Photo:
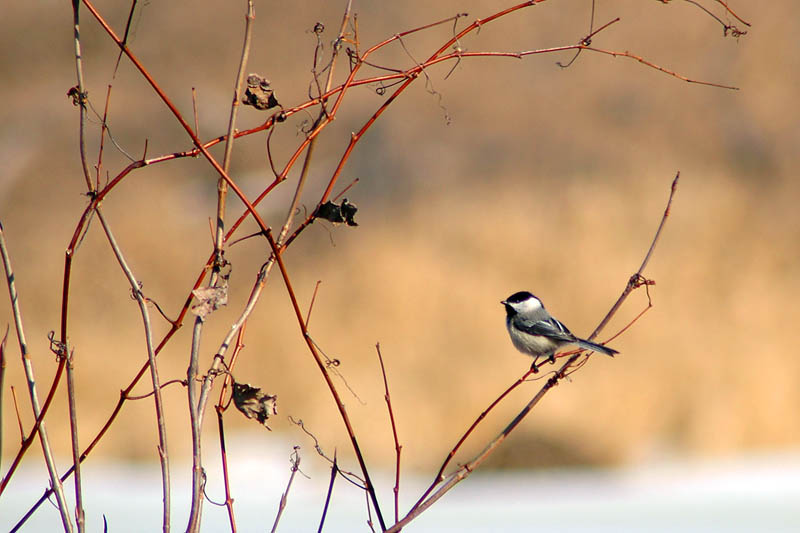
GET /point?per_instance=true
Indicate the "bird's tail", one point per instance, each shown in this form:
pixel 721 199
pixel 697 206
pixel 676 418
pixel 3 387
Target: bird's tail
pixel 596 347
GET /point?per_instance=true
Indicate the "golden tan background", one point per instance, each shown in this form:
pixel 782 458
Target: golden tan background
pixel 545 179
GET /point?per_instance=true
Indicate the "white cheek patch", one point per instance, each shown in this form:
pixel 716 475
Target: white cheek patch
pixel 531 305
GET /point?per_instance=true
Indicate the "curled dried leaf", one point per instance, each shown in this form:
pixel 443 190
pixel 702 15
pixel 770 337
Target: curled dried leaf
pixel 253 403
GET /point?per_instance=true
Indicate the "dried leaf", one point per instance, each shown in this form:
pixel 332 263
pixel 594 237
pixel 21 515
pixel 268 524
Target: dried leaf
pixel 259 93
pixel 253 403
pixel 209 299
pixel 338 214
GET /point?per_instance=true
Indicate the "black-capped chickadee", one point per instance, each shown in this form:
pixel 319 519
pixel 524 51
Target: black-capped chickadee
pixel 534 332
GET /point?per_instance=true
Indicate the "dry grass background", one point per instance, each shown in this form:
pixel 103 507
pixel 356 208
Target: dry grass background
pixel 546 179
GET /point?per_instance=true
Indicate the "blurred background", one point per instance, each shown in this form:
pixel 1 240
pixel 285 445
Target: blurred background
pixel 505 175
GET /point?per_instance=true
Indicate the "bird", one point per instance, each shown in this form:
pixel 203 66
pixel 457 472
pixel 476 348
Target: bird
pixel 535 332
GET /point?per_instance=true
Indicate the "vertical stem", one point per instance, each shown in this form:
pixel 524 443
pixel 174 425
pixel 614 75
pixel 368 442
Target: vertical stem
pixel 397 447
pixel 222 185
pixel 163 454
pixel 195 409
pixel 28 367
pixel 73 426
pixel 81 97
pixel 73 415
pixel 196 424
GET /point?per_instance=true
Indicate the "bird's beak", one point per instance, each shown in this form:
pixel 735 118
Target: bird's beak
pixel 503 302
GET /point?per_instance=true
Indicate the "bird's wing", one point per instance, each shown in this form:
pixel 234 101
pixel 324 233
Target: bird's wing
pixel 550 328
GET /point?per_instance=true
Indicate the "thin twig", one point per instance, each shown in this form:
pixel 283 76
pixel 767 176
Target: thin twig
pixel 333 366
pixel 19 416
pixel 526 53
pixel 334 471
pixel 633 321
pixel 229 366
pixel 224 454
pixel 729 10
pixel 344 191
pixel 81 98
pixel 397 447
pixel 634 280
pixel 726 27
pixel 103 130
pixel 195 112
pixel 313 298
pixel 163 386
pixel 295 460
pixel 128 25
pixel 356 481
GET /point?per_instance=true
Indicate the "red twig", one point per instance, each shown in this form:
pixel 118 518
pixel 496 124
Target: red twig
pixel 397 447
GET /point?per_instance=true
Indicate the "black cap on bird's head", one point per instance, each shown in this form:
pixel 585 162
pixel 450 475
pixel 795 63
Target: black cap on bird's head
pixel 520 302
pixel 518 297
